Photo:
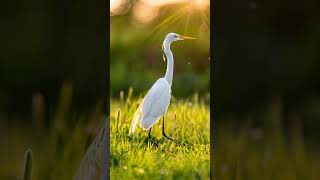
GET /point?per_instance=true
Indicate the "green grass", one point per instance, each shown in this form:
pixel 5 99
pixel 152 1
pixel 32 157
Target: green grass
pixel 134 157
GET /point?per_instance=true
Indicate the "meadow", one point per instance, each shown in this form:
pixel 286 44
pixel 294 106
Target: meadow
pixel 134 157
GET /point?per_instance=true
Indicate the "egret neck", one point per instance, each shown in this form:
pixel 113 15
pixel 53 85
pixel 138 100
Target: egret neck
pixel 169 72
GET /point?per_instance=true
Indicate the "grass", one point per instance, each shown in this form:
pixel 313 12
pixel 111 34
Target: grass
pixel 242 151
pixel 58 150
pixel 249 151
pixel 134 157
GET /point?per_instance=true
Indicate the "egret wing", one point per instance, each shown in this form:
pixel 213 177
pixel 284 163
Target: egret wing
pixel 155 103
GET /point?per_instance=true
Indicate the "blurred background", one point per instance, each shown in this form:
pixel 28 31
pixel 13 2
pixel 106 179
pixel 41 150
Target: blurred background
pixel 266 89
pixel 137 30
pixel 48 43
pixel 266 54
pixel 53 77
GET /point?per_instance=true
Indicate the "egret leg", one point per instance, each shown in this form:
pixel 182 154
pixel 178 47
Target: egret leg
pixel 163 133
pixel 149 137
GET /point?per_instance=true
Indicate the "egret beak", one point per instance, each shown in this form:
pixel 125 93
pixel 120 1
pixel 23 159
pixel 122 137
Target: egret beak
pixel 186 37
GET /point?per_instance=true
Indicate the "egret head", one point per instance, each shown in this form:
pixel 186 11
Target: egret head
pixel 173 37
pixel 176 37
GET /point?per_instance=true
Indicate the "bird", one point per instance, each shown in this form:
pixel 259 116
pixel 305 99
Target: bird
pixel 155 103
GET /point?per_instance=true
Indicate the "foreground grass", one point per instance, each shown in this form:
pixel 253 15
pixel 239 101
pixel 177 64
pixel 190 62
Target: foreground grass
pixel 247 150
pixel 57 150
pixel 133 157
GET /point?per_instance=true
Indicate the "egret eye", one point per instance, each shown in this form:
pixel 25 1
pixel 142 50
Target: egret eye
pixel 175 36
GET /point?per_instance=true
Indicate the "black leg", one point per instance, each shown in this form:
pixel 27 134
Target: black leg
pixel 149 137
pixel 163 133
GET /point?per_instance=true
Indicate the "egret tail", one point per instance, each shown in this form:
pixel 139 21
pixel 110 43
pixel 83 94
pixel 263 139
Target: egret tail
pixel 136 118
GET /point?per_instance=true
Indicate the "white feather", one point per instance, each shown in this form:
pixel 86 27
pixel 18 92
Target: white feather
pixel 155 103
pixel 136 118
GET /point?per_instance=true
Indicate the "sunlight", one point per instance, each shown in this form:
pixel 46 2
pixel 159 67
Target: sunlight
pixel 144 13
pixel 200 4
pixel 162 2
pixel 117 7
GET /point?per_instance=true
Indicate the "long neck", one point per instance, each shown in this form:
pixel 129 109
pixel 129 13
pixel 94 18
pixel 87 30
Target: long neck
pixel 169 72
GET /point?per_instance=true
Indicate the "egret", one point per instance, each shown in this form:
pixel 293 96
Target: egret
pixel 156 102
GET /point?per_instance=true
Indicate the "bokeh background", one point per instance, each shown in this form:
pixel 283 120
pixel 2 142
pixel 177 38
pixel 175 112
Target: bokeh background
pixel 137 30
pixel 53 75
pixel 265 89
pixel 48 43
pixel 267 53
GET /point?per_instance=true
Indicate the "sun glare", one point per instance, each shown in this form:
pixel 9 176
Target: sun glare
pixel 160 3
pixel 145 11
pixel 200 4
pixel 117 7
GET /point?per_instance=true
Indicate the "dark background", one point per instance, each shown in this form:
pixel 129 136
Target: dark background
pixel 53 84
pixel 266 54
pixel 47 43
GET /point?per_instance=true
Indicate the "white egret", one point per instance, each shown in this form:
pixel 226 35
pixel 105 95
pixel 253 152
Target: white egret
pixel 156 102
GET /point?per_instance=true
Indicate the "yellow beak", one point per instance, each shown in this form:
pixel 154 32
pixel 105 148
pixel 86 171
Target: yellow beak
pixel 186 37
